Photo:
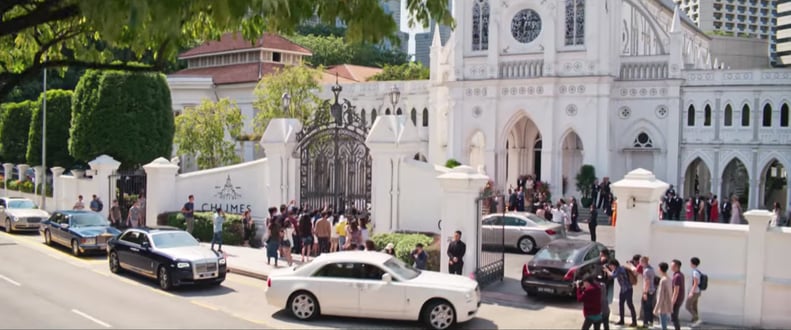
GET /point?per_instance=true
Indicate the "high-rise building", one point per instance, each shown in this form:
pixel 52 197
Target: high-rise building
pixel 746 18
pixel 782 39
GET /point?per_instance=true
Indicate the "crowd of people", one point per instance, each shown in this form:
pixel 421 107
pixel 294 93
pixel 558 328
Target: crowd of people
pixel 663 292
pixel 708 208
pixel 136 215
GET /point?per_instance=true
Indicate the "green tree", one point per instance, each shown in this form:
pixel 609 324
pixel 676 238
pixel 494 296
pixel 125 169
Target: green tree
pixel 407 71
pixel 332 50
pixel 38 34
pixel 585 178
pixel 58 123
pixel 125 115
pixel 300 82
pixel 202 132
pixel 14 128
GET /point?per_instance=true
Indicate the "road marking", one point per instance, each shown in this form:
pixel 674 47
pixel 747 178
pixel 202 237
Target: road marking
pixel 157 290
pixel 91 318
pixel 4 278
pixel 204 305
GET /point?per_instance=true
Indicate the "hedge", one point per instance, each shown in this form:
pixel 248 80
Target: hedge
pixel 405 243
pixel 14 130
pixel 126 115
pixel 204 226
pixel 58 123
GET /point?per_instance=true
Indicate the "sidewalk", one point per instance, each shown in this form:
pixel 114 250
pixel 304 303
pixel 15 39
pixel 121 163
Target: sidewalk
pixel 251 262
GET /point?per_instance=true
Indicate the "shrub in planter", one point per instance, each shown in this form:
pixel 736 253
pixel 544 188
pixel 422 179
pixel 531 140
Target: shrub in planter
pixel 49 189
pixel 12 184
pixel 26 186
pixel 405 243
pixel 451 163
pixel 204 226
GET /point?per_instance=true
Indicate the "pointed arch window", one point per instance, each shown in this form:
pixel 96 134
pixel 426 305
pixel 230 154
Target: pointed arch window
pixel 784 116
pixel 691 116
pixel 643 140
pixel 767 116
pixel 413 116
pixel 575 22
pixel 728 116
pixel 425 117
pixel 746 115
pixel 373 116
pixel 388 112
pixel 480 25
pixel 707 116
pixel 399 112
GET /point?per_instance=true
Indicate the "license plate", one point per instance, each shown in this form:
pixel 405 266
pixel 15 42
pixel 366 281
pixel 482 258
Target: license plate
pixel 547 290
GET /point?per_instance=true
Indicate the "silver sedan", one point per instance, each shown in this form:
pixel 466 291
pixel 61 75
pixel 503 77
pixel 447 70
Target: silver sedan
pixel 523 230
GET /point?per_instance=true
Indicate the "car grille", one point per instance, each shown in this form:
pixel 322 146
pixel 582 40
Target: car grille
pixel 32 220
pixel 205 269
pixel 102 239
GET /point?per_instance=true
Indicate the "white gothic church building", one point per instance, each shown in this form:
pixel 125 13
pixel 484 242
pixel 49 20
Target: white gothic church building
pixel 544 86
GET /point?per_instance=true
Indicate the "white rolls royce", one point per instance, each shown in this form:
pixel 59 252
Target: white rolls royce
pixel 373 285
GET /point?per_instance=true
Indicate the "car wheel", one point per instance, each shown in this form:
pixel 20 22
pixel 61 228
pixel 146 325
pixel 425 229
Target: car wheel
pixel 163 276
pixel 75 248
pixel 47 238
pixel 526 244
pixel 439 314
pixel 303 306
pixel 115 264
pixel 7 226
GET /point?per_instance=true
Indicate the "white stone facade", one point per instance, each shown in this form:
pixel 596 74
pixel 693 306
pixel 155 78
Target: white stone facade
pixel 613 92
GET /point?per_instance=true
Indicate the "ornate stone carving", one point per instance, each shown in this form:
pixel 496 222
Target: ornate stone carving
pixel 571 110
pixel 526 26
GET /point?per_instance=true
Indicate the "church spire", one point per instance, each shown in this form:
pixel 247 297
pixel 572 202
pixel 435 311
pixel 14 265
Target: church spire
pixel 436 40
pixel 675 27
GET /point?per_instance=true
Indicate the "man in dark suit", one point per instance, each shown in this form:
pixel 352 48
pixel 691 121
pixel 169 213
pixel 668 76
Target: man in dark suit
pixel 593 222
pixel 456 250
pixel 512 200
pixel 675 206
pixel 725 211
pixel 575 212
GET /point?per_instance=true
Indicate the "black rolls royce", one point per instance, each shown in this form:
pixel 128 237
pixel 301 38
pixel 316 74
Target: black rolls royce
pixel 555 267
pixel 169 255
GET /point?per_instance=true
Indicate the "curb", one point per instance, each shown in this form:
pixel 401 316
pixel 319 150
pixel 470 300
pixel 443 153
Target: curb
pixel 247 273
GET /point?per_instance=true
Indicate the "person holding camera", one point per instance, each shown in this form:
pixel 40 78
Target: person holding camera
pixel 589 293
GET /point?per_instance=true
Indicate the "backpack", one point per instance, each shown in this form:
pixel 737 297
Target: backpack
pixel 632 277
pixel 99 205
pixel 704 281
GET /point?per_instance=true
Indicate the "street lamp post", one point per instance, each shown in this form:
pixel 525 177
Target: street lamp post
pixel 395 95
pixel 44 145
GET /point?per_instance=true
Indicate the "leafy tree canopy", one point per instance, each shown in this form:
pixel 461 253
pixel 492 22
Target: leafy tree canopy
pixel 333 50
pixel 300 82
pixel 38 34
pixel 406 71
pixel 14 126
pixel 58 123
pixel 201 132
pixel 125 115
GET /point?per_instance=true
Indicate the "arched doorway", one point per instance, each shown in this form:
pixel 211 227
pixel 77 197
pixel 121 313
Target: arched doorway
pixel 697 179
pixel 736 181
pixel 477 147
pixel 522 143
pixel 774 181
pixel 571 160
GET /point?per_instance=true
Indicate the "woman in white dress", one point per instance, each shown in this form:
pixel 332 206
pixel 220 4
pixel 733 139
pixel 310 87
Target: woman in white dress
pixel 736 211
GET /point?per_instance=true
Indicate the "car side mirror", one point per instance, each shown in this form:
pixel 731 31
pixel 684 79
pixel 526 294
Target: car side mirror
pixel 387 278
pixel 145 245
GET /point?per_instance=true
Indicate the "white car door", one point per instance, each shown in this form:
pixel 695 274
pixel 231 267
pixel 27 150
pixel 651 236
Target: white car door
pixel 339 289
pixel 380 299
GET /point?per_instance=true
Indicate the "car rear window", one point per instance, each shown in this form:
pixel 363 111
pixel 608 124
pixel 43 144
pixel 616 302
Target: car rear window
pixel 564 253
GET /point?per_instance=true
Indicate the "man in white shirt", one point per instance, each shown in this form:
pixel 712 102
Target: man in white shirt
pixel 694 292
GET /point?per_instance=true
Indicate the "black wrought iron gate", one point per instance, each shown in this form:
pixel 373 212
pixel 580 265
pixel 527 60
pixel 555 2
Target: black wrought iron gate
pixel 490 258
pixel 335 163
pixel 126 186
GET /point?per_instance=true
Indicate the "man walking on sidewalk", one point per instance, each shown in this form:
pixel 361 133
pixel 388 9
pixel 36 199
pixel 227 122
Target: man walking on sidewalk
pixel 694 291
pixel 649 292
pixel 678 292
pixel 188 211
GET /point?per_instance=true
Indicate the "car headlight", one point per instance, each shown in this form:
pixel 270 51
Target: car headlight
pixel 183 265
pixel 468 296
pixel 221 261
pixel 15 218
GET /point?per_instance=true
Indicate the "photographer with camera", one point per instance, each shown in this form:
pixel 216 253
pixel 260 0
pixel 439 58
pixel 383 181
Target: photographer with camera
pixel 589 293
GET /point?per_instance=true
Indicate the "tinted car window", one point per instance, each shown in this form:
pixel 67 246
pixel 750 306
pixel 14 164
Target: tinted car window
pixel 560 252
pixel 2 202
pixel 494 221
pixel 511 221
pixel 593 253
pixel 339 270
pixel 131 237
pixel 371 272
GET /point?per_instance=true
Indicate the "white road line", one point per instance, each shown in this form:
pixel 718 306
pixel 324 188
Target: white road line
pixel 4 278
pixel 93 319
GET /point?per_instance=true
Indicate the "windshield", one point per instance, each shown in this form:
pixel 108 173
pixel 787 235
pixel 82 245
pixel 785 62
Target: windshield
pixel 88 219
pixel 401 269
pixel 21 204
pixel 563 253
pixel 173 239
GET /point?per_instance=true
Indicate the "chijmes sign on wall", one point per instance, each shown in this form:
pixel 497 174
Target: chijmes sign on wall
pixel 228 197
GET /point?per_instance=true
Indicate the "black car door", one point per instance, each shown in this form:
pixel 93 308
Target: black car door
pixel 146 258
pixel 589 263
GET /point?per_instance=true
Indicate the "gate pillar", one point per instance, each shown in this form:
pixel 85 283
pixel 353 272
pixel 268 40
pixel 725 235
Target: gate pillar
pixel 102 167
pixel 461 186
pixel 391 140
pixel 161 192
pixel 279 141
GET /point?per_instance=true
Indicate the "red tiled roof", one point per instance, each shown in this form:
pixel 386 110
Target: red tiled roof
pixel 232 74
pixel 354 72
pixel 234 41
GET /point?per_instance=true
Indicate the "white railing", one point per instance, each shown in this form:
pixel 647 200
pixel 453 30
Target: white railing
pixel 644 71
pixel 522 69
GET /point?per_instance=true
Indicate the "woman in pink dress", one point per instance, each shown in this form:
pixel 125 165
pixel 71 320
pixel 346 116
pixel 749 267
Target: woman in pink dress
pixel 690 210
pixel 715 209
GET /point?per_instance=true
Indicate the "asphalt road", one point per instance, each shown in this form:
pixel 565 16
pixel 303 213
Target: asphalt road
pixel 45 287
